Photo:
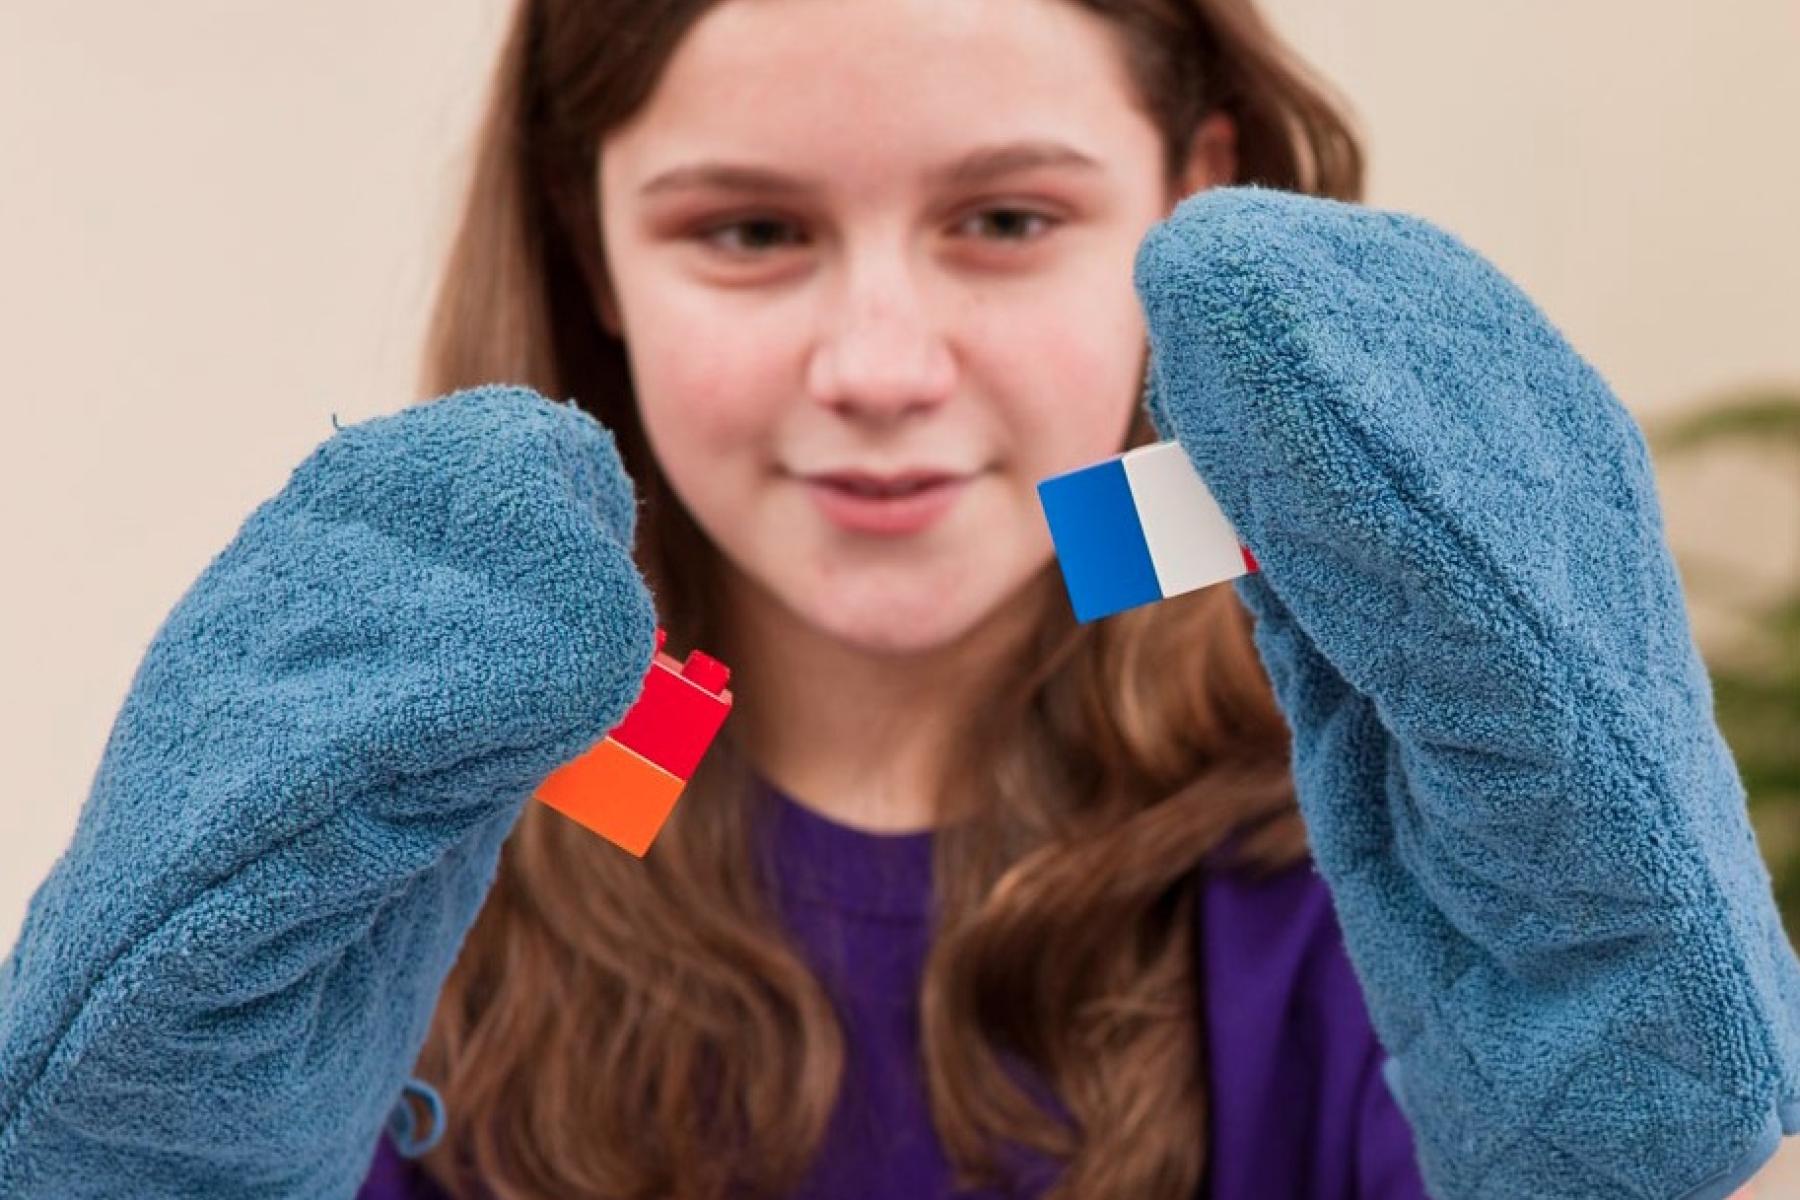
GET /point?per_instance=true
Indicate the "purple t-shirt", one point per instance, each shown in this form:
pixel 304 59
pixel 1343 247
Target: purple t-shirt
pixel 1297 1106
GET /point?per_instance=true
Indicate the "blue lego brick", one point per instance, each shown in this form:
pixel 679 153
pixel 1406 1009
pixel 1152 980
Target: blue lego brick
pixel 1099 541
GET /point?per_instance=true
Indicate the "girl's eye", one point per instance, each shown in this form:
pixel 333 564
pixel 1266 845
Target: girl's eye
pixel 763 224
pixel 1012 218
pixel 758 230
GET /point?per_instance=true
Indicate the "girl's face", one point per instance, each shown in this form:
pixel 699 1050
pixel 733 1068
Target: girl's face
pixel 872 265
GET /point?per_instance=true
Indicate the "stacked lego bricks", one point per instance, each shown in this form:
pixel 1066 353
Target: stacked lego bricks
pixel 625 786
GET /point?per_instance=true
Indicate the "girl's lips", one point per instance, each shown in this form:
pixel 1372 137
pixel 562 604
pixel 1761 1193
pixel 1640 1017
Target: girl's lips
pixel 891 515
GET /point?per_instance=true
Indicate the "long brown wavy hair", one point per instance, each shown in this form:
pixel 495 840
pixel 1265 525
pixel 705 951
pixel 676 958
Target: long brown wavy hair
pixel 626 1028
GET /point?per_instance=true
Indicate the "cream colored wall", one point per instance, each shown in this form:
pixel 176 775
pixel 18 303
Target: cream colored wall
pixel 219 223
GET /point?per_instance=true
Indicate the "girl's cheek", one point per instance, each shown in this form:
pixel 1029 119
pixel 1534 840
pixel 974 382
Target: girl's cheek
pixel 692 427
pixel 709 384
pixel 1084 411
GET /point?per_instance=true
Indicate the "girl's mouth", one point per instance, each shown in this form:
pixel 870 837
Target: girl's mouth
pixel 891 505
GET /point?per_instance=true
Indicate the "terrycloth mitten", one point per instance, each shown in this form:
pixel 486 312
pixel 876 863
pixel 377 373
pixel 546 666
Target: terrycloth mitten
pixel 1504 744
pixel 221 985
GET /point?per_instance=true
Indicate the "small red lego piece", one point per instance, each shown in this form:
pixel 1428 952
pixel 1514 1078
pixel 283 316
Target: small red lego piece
pixel 625 786
pixel 681 708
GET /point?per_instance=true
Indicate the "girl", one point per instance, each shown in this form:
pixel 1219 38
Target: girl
pixel 966 895
pixel 772 246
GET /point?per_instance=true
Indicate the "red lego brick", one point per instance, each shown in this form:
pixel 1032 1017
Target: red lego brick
pixel 679 711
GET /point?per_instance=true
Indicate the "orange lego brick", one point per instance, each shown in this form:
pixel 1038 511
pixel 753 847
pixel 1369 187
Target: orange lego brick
pixel 616 792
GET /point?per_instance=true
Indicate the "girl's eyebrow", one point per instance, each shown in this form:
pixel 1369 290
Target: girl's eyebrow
pixel 976 167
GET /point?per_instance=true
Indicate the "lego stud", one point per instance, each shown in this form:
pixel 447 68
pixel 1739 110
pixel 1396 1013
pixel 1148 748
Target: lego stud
pixel 705 672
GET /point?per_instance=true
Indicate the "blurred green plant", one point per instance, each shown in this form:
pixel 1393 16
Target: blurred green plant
pixel 1755 676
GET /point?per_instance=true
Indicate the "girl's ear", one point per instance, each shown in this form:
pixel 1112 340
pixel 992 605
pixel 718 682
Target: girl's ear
pixel 1212 155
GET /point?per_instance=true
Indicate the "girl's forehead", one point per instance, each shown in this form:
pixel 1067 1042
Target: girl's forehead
pixel 881 75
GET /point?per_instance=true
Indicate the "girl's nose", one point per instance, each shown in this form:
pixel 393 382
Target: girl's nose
pixel 882 360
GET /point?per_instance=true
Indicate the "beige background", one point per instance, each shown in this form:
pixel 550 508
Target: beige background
pixel 219 223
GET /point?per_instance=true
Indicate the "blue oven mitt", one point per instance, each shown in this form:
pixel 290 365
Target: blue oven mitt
pixel 221 985
pixel 1504 745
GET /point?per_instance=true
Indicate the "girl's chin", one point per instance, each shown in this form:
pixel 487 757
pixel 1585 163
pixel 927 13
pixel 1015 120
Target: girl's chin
pixel 900 621
pixel 898 633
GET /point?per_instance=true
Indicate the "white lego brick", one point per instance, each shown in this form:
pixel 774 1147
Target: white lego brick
pixel 1192 544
